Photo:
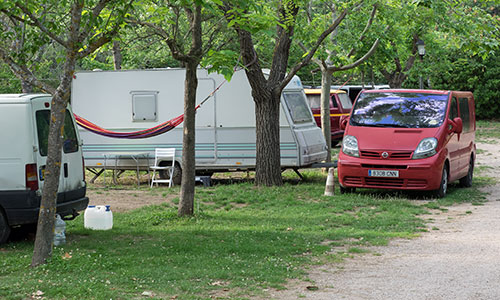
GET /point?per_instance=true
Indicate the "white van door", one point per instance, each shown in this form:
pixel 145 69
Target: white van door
pixel 71 176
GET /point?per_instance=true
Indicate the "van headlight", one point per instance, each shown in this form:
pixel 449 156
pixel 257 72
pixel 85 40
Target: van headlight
pixel 426 148
pixel 350 146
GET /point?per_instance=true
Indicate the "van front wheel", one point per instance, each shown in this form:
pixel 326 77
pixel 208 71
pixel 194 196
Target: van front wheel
pixel 443 186
pixel 4 228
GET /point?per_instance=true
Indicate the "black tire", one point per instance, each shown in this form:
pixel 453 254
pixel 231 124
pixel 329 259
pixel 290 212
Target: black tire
pixel 4 228
pixel 347 190
pixel 443 185
pixel 466 181
pixel 177 178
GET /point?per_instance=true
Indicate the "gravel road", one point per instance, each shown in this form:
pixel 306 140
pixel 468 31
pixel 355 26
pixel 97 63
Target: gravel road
pixel 461 260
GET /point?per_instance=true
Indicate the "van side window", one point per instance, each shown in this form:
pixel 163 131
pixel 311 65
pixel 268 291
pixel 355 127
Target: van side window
pixel 345 101
pixel 314 101
pixel 463 103
pixel 70 142
pixel 453 108
pixel 334 101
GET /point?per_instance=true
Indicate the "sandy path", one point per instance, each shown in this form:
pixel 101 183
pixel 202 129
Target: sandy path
pixel 461 260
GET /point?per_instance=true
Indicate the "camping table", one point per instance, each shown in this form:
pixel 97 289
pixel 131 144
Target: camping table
pixel 136 156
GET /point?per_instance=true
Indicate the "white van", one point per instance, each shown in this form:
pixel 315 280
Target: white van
pixel 24 124
pixel 132 100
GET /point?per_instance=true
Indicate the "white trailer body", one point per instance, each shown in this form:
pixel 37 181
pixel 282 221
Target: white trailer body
pixel 125 101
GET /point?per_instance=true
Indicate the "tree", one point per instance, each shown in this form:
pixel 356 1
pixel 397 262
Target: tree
pixel 79 27
pixel 337 59
pixel 167 20
pixel 253 18
pixel 443 25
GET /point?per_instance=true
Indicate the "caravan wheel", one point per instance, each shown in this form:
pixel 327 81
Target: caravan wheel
pixel 164 174
pixel 4 228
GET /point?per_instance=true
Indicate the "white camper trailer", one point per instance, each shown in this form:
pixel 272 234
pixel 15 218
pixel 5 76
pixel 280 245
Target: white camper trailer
pixel 125 101
pixel 24 120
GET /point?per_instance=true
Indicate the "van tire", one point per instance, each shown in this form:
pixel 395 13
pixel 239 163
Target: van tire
pixel 466 181
pixel 347 190
pixel 4 228
pixel 177 178
pixel 443 185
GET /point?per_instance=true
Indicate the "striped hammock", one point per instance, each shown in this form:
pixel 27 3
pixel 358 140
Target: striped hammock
pixel 141 134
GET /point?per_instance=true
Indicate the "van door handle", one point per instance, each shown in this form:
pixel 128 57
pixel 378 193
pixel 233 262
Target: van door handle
pixel 66 170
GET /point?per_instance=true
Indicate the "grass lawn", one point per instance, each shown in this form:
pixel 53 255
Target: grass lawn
pixel 242 240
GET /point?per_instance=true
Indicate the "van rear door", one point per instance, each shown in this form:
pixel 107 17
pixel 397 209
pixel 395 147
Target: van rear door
pixel 71 179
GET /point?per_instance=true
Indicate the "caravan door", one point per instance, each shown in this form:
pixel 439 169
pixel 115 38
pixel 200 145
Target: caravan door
pixel 206 144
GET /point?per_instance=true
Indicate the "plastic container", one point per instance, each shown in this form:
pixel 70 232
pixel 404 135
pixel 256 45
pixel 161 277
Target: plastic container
pixel 98 217
pixel 59 231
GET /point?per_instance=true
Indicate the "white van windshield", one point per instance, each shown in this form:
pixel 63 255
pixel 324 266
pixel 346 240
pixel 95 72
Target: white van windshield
pixel 409 110
pixel 298 108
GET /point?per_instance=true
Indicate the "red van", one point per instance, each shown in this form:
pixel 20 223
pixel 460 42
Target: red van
pixel 408 140
pixel 340 105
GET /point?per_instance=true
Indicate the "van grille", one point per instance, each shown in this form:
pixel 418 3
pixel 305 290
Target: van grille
pixel 352 180
pixel 392 155
pixel 399 167
pixel 387 182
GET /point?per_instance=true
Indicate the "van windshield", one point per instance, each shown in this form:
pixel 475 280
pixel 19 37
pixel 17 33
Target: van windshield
pixel 298 108
pixel 409 110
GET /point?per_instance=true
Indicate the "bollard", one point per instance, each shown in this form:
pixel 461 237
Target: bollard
pixel 330 183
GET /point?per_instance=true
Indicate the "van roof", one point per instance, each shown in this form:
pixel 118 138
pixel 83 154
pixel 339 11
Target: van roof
pixel 441 92
pixel 19 97
pixel 318 91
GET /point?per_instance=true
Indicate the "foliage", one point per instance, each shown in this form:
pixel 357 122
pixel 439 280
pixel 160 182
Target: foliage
pixel 482 77
pixel 242 240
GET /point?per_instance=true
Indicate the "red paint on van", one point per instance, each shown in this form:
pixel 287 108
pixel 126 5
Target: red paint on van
pixel 385 128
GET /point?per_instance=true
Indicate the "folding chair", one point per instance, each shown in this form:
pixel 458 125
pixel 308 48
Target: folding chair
pixel 163 155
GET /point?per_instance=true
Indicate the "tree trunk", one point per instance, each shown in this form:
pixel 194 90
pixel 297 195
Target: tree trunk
pixel 268 160
pixel 186 202
pixel 46 218
pixel 26 87
pixel 117 55
pixel 326 82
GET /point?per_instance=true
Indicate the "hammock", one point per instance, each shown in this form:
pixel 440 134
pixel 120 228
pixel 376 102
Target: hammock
pixel 141 134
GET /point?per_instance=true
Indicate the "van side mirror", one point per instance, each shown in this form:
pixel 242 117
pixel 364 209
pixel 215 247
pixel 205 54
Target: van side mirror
pixel 343 122
pixel 456 125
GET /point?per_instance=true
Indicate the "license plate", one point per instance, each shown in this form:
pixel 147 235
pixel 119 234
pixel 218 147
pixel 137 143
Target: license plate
pixel 383 173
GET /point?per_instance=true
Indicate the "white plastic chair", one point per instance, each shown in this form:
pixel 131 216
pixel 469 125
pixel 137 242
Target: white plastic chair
pixel 163 155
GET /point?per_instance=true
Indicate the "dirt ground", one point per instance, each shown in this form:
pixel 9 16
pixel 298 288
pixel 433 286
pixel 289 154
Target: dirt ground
pixel 458 258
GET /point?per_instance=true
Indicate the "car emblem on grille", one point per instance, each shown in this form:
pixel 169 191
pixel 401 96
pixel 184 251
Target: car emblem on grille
pixel 385 154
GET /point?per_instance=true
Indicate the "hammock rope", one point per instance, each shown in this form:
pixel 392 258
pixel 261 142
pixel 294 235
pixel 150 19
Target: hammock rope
pixel 141 134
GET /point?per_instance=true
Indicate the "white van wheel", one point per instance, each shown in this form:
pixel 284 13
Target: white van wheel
pixel 4 228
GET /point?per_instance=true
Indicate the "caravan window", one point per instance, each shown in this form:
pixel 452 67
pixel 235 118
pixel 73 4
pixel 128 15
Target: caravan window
pixel 70 142
pixel 297 106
